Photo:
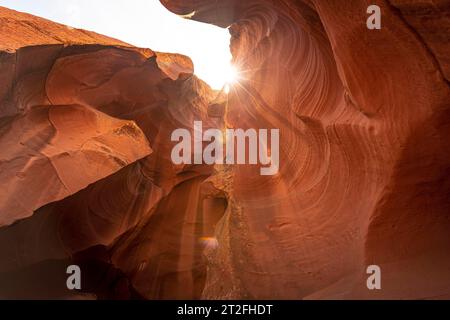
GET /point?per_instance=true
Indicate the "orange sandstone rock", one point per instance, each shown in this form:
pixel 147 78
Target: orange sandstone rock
pixel 364 163
pixel 86 174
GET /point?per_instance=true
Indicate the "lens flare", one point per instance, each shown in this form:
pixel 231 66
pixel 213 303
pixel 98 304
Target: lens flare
pixel 230 76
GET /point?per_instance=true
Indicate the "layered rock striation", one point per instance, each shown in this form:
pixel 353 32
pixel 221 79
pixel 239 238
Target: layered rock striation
pixel 87 179
pixel 85 168
pixel 364 164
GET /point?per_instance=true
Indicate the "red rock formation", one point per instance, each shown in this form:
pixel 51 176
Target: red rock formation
pixel 363 118
pixel 364 164
pixel 85 165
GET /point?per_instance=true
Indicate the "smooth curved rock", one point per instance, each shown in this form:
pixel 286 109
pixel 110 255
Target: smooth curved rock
pixel 363 117
pixel 364 163
pixel 54 151
pixel 85 134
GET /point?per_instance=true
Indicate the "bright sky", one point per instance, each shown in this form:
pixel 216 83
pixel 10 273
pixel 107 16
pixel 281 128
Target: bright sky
pixel 143 23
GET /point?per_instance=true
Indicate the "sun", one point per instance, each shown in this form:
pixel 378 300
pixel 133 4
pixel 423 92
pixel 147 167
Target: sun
pixel 230 76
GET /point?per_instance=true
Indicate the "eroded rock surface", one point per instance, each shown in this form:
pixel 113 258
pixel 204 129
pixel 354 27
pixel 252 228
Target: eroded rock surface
pixel 364 170
pixel 85 168
pixel 364 121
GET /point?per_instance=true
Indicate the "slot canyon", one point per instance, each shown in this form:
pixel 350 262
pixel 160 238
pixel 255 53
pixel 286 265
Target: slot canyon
pixel 86 175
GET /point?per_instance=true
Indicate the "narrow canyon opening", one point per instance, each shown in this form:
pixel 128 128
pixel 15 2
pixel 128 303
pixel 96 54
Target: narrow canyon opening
pixel 145 24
